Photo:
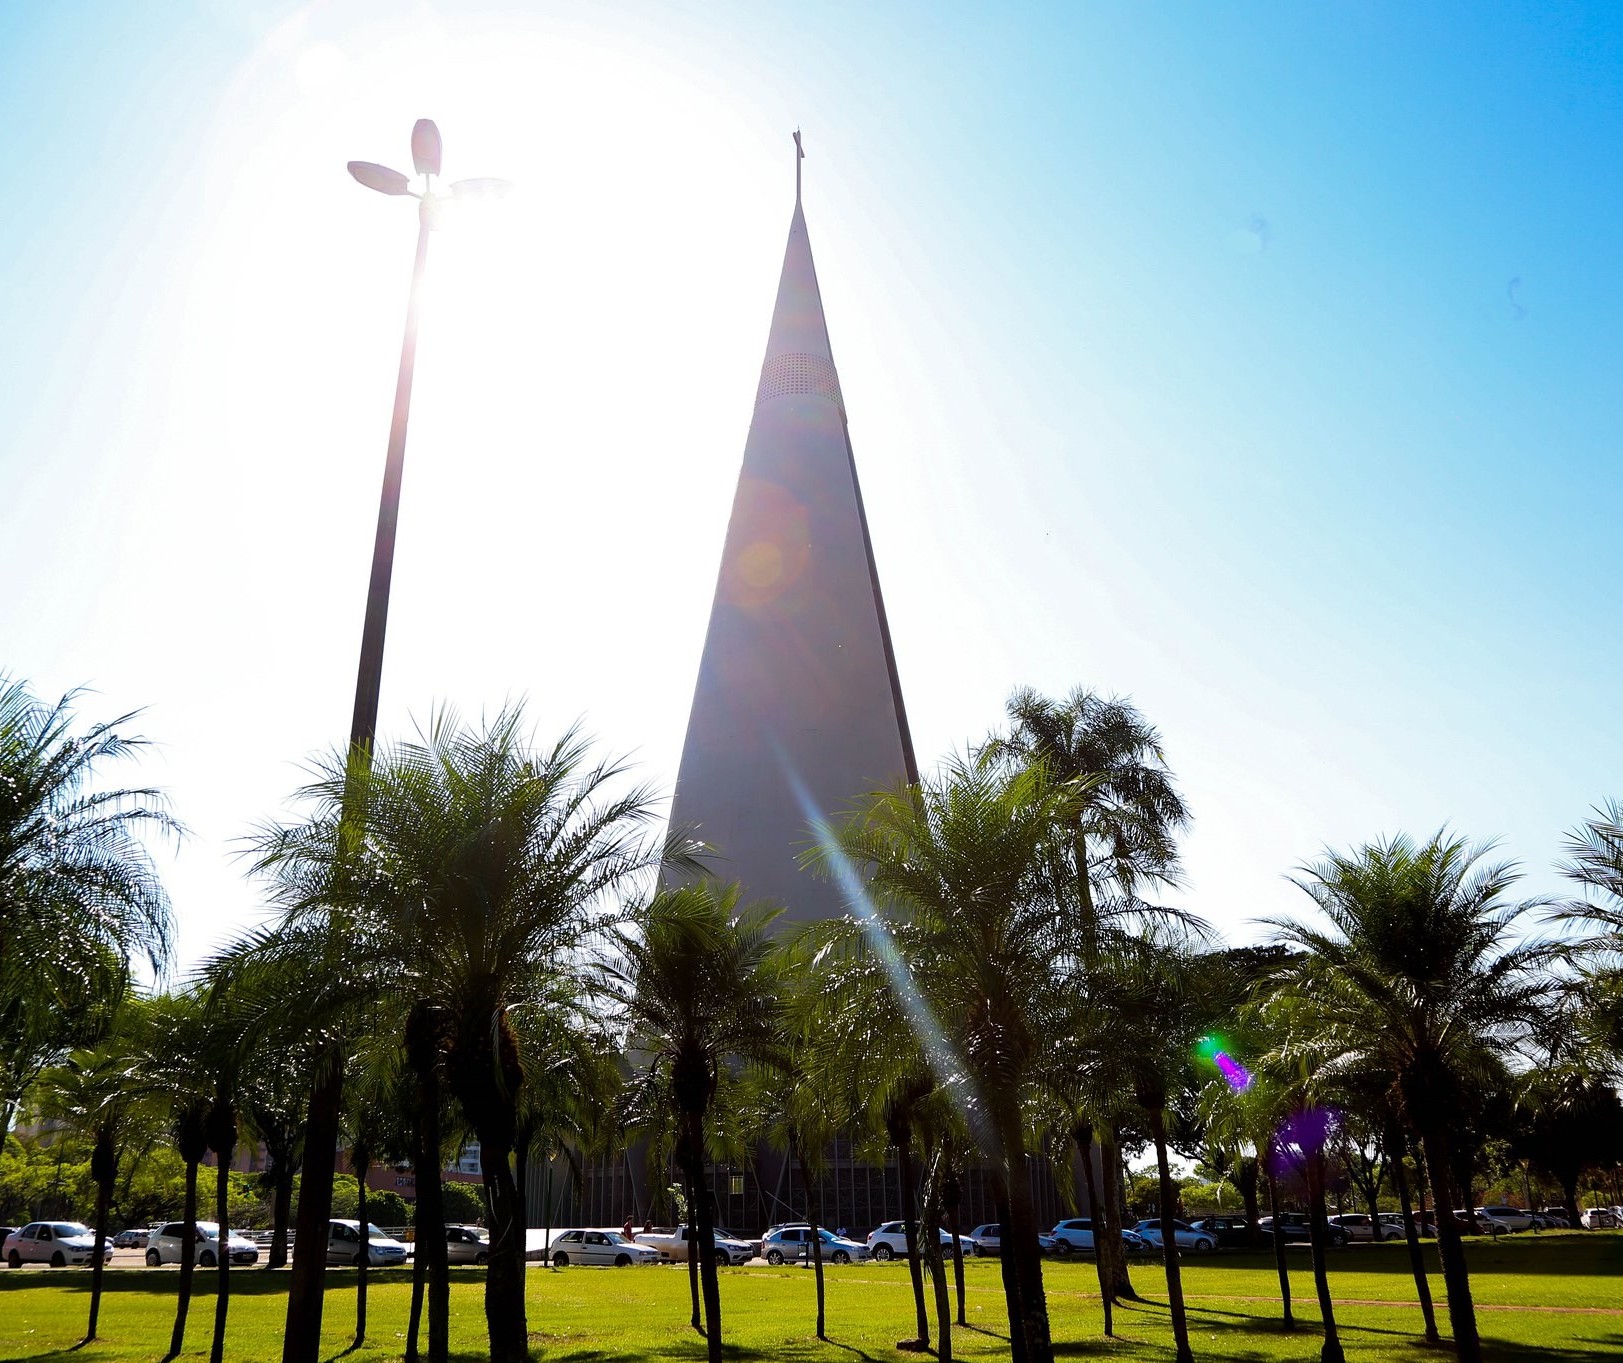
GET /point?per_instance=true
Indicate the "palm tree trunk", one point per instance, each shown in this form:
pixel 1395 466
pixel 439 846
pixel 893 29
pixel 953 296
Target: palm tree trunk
pixel 1083 1136
pixel 697 1319
pixel 1319 1238
pixel 1121 1281
pixel 505 1318
pixel 281 1214
pixel 301 1342
pixel 361 1163
pixel 431 1214
pixel 222 1264
pixel 816 1249
pixel 188 1259
pixel 910 1231
pixel 705 1245
pixel 1247 1173
pixel 1411 1236
pixel 1456 1276
pixel 104 1170
pixel 1011 1278
pixel 419 1278
pixel 952 1195
pixel 1028 1267
pixel 1279 1253
pixel 1169 1241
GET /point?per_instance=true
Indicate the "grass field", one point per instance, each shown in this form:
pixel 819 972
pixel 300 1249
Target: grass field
pixel 1554 1298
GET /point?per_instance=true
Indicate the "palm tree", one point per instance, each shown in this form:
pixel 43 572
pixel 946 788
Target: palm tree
pixel 1165 996
pixel 698 982
pixel 103 1093
pixel 961 905
pixel 79 895
pixel 1122 838
pixel 470 863
pixel 1420 972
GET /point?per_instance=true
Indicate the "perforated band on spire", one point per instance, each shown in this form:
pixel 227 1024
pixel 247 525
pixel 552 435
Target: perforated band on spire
pixel 801 375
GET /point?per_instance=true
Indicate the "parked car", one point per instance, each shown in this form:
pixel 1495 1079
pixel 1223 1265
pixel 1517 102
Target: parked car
pixel 164 1245
pixel 988 1239
pixel 133 1238
pixel 1184 1236
pixel 57 1243
pixel 1513 1217
pixel 598 1247
pixel 1076 1234
pixel 743 1238
pixel 466 1245
pixel 676 1244
pixel 1360 1227
pixel 1474 1221
pixel 1293 1229
pixel 1597 1218
pixel 1230 1232
pixel 794 1242
pixel 1552 1218
pixel 889 1241
pixel 344 1245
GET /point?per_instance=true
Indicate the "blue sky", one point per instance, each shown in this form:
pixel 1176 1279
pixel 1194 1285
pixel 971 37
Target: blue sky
pixel 1258 361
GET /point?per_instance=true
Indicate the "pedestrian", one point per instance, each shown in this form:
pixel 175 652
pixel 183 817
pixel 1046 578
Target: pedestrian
pixel 626 1230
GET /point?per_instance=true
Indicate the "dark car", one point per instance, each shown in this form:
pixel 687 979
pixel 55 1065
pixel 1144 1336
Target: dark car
pixel 1293 1228
pixel 1230 1232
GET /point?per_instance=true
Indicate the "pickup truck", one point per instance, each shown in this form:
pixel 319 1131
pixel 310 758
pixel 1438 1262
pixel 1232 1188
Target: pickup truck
pixel 675 1244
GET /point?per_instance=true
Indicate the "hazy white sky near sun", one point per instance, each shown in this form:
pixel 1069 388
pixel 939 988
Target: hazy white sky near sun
pixel 1259 362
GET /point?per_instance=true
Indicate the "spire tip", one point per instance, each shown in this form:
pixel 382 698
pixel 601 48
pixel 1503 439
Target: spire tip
pixel 800 155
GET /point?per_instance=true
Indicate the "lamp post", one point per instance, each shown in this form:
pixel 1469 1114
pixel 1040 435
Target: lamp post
pixel 301 1341
pixel 425 156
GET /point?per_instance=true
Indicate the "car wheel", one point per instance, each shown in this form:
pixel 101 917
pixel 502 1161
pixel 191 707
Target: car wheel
pixel 1204 1246
pixel 560 1261
pixel 206 1259
pixel 1339 1241
pixel 153 1258
pixel 357 1259
pixel 882 1252
pixel 622 1261
pixel 774 1257
pixel 58 1260
pixel 1062 1247
pixel 840 1257
pixel 481 1258
pixel 16 1259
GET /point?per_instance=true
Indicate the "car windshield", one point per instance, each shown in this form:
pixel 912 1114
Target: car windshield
pixel 68 1229
pixel 615 1238
pixel 374 1233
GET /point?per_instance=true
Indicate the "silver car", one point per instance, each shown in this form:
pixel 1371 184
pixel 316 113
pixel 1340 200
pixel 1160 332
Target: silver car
pixel 466 1245
pixel 795 1242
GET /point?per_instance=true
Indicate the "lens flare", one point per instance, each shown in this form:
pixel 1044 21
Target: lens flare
pixel 1211 1049
pixel 943 1058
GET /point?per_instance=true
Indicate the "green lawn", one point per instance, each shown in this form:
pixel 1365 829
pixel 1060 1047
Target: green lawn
pixel 1555 1298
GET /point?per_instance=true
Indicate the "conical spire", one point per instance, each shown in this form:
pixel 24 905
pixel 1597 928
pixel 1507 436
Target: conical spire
pixel 798 708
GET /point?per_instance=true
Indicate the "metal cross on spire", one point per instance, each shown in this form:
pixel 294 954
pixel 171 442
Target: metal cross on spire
pixel 800 155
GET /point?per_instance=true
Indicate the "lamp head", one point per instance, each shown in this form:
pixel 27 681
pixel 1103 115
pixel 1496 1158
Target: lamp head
pixel 426 147
pixel 380 178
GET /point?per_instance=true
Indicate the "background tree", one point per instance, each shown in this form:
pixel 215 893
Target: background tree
pixel 961 890
pixel 79 895
pixel 696 980
pixel 1420 971
pixel 1120 839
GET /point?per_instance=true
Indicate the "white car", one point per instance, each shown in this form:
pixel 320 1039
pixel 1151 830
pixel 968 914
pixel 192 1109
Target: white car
pixel 344 1245
pixel 1184 1236
pixel 1594 1218
pixel 57 1243
pixel 599 1247
pixel 1359 1226
pixel 166 1241
pixel 466 1245
pixel 889 1241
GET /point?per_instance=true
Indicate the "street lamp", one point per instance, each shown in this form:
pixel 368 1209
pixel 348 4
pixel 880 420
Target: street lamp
pixel 425 156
